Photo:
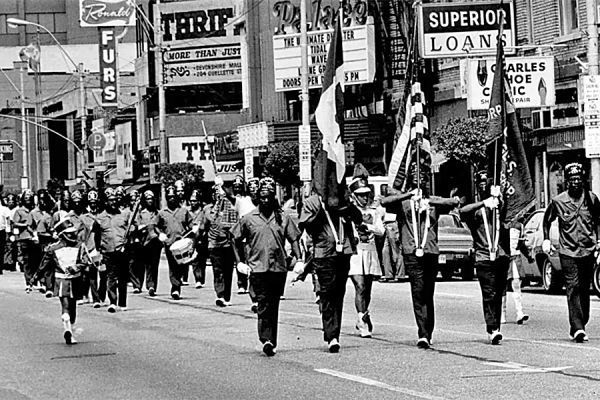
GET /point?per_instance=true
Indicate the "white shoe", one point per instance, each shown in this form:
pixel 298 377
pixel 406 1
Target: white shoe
pixel 199 285
pixel 123 308
pixel 334 346
pixel 242 291
pixel 68 335
pixel 580 336
pixel 228 303
pixel 522 318
pixel 362 327
pixel 112 308
pixel 220 302
pixel 184 283
pixel 495 337
pixel 423 343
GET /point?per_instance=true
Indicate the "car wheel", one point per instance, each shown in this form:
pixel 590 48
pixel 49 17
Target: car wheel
pixel 447 273
pixel 550 279
pixel 596 279
pixel 467 272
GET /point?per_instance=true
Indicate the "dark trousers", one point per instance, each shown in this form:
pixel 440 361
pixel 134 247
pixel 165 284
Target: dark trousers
pixel 35 257
pixel 10 254
pixel 135 265
pixel 117 277
pixel 242 281
pixel 97 284
pixel 578 275
pixel 392 262
pixel 268 287
pixel 147 258
pixel 422 272
pixel 222 260
pixel 23 257
pixel 199 264
pixel 492 280
pixel 332 274
pixel 175 271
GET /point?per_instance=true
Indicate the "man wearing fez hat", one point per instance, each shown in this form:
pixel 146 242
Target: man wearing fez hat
pixel 68 257
pixel 151 247
pixel 43 237
pixel 199 263
pixel 491 240
pixel 578 213
pixel 111 229
pixel 265 230
pixel 97 271
pixel 331 232
pixel 24 232
pixel 174 222
pixel 417 213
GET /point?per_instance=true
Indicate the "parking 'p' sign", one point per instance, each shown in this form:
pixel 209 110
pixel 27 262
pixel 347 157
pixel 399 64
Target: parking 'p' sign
pixel 96 141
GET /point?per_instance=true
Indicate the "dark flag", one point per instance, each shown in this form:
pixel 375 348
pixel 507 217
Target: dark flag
pixel 506 154
pixel 330 165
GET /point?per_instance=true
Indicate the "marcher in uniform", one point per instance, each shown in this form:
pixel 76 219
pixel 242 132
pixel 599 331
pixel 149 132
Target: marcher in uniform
pixel 199 263
pixel 265 230
pixel 578 213
pixel 45 237
pixel 516 271
pixel 150 246
pixel 24 231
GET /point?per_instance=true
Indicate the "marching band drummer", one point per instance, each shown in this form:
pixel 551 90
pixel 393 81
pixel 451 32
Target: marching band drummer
pixel 420 243
pixel 199 263
pixel 67 257
pixel 265 230
pixel 111 231
pixel 174 222
pixel 150 246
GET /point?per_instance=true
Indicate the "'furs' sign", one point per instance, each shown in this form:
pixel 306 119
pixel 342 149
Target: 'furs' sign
pixel 465 29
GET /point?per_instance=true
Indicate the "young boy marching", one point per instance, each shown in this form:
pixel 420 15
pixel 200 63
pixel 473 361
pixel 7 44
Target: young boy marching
pixel 68 257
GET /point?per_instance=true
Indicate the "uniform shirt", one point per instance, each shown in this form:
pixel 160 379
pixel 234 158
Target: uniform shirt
pixel 88 222
pixel 314 220
pixel 215 224
pixel 174 223
pixel 577 234
pixel 23 216
pixel 4 218
pixel 148 218
pixel 476 224
pixel 407 235
pixel 266 240
pixel 112 227
pixel 43 225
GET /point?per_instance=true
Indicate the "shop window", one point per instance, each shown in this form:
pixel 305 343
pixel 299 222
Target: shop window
pixel 569 16
pixel 568 95
pixel 541 119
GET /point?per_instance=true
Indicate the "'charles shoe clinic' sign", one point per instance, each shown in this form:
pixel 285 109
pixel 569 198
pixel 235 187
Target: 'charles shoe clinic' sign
pixel 465 29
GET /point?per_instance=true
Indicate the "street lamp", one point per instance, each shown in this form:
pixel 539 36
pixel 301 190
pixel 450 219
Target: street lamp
pixel 14 22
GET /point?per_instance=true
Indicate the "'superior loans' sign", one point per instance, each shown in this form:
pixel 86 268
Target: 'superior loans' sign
pixel 464 29
pixel 203 42
pixel 359 57
pixel 531 80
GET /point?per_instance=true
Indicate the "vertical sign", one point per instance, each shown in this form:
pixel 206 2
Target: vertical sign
pixel 249 163
pixel 123 135
pixel 108 67
pixel 591 115
pixel 304 153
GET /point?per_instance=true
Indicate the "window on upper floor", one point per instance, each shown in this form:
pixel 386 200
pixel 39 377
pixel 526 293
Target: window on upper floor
pixel 4 28
pixel 569 16
pixel 54 22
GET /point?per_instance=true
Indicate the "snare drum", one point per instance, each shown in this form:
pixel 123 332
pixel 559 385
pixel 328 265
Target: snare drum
pixel 183 251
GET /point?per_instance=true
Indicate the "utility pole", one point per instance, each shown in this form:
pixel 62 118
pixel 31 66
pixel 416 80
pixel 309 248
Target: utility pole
pixel 592 56
pixel 158 62
pixel 24 175
pixel 83 116
pixel 304 147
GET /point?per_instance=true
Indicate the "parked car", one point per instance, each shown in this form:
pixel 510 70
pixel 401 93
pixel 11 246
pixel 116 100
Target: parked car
pixel 456 248
pixel 545 268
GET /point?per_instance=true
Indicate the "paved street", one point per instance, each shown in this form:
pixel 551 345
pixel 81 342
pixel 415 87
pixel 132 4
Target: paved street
pixel 191 349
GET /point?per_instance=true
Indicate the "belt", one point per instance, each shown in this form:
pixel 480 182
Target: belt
pixel 66 276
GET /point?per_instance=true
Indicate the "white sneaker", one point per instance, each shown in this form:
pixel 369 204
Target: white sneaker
pixel 579 336
pixel 199 285
pixel 68 335
pixel 423 343
pixel 495 337
pixel 334 346
pixel 242 291
pixel 220 302
pixel 228 303
pixel 112 308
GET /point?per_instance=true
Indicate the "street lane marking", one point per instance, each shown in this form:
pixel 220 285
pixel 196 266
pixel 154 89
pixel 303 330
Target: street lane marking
pixel 371 382
pixel 521 368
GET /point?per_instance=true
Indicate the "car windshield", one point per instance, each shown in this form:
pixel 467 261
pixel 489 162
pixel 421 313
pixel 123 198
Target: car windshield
pixel 449 221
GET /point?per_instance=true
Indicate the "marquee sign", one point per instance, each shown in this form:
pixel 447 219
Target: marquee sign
pixel 202 40
pixel 465 29
pixel 95 13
